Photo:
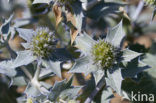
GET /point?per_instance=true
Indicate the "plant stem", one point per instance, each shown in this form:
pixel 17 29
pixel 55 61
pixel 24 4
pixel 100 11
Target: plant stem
pixel 36 82
pixel 27 73
pixel 138 10
pixel 99 86
pixel 37 73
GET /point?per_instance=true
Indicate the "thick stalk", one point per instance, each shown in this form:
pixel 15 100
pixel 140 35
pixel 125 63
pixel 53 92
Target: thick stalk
pixel 99 86
pixel 27 73
pixel 138 10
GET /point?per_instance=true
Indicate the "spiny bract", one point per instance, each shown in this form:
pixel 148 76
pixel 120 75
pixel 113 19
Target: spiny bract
pixel 103 54
pixel 150 2
pixel 43 43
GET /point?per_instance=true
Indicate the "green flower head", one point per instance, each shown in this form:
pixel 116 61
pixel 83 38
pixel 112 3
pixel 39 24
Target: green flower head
pixel 43 42
pixel 103 54
pixel 150 2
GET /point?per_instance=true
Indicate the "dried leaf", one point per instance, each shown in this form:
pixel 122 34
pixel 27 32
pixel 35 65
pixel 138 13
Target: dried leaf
pixel 58 14
pixel 15 43
pixel 124 12
pixel 74 33
pixel 71 18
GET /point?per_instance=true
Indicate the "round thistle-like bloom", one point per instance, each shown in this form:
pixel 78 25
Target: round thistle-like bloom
pixel 43 43
pixel 103 54
pixel 150 2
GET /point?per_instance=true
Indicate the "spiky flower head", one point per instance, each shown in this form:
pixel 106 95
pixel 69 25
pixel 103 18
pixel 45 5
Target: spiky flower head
pixel 103 54
pixel 43 43
pixel 150 2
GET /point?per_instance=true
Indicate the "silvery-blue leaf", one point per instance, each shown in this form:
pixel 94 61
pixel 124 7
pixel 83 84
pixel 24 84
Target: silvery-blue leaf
pixel 42 1
pixel 23 22
pixel 58 88
pixel 129 55
pixel 26 45
pixel 24 58
pixel 8 71
pixel 26 34
pixel 114 1
pixel 19 81
pixel 6 68
pixel 6 26
pixel 77 10
pixel 103 9
pixel 46 85
pixel 32 91
pixel 114 79
pixel 84 42
pixel 98 75
pixel 46 73
pixel 133 68
pixel 150 60
pixel 125 95
pixel 71 93
pixel 116 35
pixel 83 65
pixel 107 95
pixel 6 64
pixel 54 66
pixel 41 99
pixel 84 1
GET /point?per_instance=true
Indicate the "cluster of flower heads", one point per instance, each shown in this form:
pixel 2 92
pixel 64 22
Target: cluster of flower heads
pixel 150 2
pixel 43 42
pixel 103 54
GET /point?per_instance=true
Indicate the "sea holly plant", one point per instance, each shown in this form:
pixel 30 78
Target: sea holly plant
pixel 41 46
pixel 40 52
pixel 106 59
pixel 51 70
